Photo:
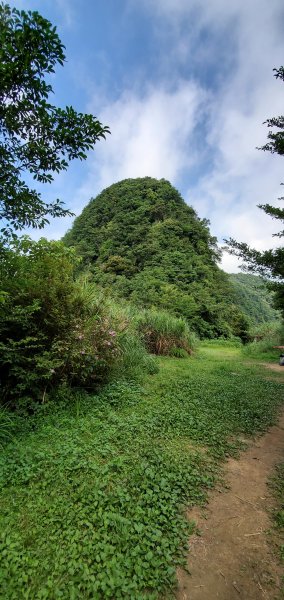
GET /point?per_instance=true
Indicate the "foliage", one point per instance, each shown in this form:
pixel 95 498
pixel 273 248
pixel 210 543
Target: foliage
pixel 253 298
pixel 144 243
pixel 265 338
pixel 134 359
pixel 276 143
pixel 222 343
pixel 178 352
pixel 269 263
pixel 36 137
pixel 7 426
pixel 91 499
pixel 162 333
pixel 51 329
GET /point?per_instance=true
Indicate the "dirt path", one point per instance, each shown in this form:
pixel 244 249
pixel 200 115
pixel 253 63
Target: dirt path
pixel 232 559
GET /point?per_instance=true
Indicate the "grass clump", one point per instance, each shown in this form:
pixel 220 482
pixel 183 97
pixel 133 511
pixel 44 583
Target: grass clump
pixel 92 496
pixel 133 360
pixel 9 424
pixel 165 334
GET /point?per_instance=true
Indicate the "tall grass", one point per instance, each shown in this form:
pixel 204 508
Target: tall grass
pixel 159 332
pixel 7 426
pixel 165 334
pixel 134 360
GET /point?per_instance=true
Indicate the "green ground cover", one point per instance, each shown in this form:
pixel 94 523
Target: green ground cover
pixel 93 491
pixel 277 487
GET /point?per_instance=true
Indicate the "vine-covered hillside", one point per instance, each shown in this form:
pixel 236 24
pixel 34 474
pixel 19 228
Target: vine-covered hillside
pixel 144 243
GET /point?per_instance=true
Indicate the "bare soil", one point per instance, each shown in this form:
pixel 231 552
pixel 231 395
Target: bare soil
pixel 278 368
pixel 234 557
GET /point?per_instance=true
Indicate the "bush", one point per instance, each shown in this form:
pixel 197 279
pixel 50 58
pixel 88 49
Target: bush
pixel 161 332
pixel 52 328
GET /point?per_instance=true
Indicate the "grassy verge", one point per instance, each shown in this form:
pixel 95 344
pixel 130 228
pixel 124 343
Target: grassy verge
pixel 93 492
pixel 277 487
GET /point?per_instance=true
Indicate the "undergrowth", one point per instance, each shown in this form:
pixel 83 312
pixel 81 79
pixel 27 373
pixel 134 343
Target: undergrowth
pixel 266 339
pixel 93 487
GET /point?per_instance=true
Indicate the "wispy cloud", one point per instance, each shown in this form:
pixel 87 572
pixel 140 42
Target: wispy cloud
pixel 239 177
pixel 150 135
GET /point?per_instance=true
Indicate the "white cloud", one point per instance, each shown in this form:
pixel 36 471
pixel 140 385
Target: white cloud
pixel 150 136
pixel 240 176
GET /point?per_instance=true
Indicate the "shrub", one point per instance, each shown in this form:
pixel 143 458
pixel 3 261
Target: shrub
pixel 52 329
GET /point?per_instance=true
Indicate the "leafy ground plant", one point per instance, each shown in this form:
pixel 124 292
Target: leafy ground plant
pixel 92 500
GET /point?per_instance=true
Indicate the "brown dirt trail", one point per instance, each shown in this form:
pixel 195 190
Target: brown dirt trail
pixel 233 558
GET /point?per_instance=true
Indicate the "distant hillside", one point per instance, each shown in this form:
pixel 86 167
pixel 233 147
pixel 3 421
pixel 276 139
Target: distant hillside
pixel 253 298
pixel 144 243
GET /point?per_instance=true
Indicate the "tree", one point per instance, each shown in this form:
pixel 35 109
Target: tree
pixel 36 138
pixel 270 263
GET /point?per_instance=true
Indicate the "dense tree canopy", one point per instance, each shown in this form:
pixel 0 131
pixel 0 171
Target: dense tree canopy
pixel 143 242
pixel 269 263
pixel 253 298
pixel 36 138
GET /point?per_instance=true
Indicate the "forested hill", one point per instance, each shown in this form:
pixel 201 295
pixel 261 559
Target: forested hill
pixel 253 298
pixel 143 242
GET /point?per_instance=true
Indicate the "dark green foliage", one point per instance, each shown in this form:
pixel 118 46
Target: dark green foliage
pixel 253 298
pixel 269 263
pixel 91 499
pixel 51 329
pixel 276 138
pixel 143 242
pixel 35 137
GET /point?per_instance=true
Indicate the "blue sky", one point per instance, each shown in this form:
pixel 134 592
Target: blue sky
pixel 185 86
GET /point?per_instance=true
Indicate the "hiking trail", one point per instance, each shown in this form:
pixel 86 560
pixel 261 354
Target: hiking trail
pixel 233 558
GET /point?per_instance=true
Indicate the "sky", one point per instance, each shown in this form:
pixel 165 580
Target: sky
pixel 185 87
